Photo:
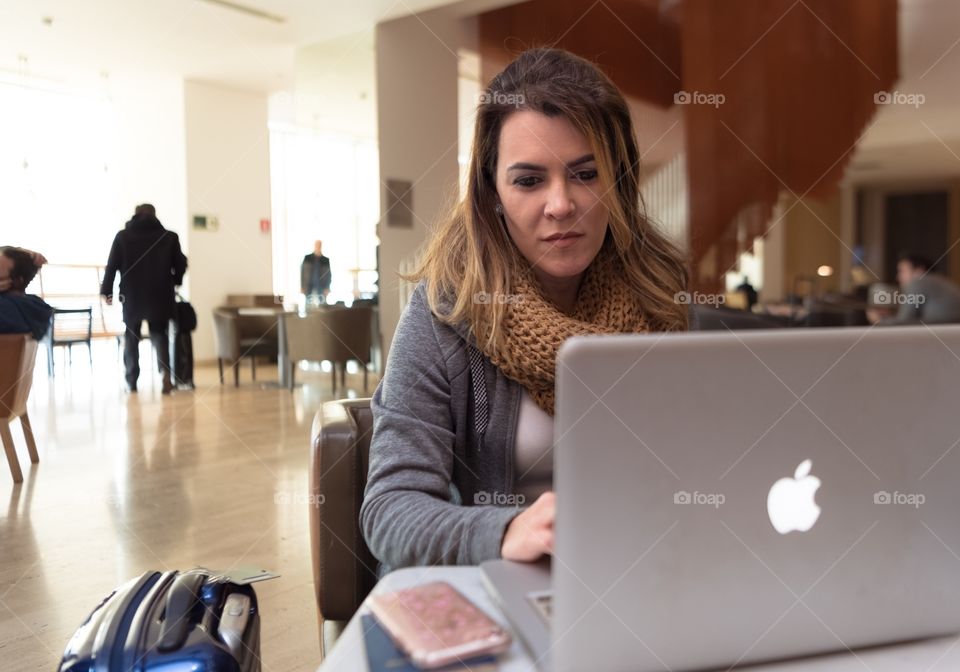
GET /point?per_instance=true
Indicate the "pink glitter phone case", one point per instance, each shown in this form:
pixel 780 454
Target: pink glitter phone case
pixel 436 625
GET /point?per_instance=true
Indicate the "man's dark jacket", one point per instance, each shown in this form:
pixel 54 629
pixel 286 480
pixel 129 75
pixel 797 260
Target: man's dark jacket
pixel 151 265
pixel 315 274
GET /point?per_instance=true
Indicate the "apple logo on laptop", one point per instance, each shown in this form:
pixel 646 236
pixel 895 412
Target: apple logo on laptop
pixel 790 502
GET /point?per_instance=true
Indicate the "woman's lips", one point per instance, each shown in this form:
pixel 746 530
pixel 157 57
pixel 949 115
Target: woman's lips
pixel 566 240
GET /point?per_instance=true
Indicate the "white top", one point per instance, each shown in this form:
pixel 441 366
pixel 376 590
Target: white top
pixel 533 453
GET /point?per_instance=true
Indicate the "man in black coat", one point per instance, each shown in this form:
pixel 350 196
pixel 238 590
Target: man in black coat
pixel 151 265
pixel 315 274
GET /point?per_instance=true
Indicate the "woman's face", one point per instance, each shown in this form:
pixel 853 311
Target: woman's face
pixel 548 185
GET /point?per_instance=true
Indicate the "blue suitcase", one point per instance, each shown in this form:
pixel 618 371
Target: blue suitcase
pixel 170 621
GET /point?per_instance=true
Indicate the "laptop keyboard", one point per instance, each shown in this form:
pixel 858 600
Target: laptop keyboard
pixel 542 602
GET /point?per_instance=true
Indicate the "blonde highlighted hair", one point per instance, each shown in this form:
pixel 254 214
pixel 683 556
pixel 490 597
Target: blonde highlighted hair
pixel 471 252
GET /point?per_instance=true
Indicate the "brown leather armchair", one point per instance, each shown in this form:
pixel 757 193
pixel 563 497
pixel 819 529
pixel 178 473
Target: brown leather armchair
pixel 240 335
pixel 344 570
pixel 18 354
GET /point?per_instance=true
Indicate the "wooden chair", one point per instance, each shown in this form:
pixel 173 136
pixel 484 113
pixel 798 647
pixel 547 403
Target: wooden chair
pixel 18 354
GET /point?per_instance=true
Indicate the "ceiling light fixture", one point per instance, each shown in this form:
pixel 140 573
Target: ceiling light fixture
pixel 250 11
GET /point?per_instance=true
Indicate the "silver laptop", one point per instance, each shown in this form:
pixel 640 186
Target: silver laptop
pixel 726 498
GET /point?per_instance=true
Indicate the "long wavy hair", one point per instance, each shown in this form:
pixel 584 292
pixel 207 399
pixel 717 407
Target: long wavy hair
pixel 471 251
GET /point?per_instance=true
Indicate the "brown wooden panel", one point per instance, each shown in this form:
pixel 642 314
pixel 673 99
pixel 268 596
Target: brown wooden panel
pixel 798 81
pixel 636 45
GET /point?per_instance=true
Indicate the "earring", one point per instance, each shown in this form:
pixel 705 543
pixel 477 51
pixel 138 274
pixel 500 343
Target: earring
pixel 499 209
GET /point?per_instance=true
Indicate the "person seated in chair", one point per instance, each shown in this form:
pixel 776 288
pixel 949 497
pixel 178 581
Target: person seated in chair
pixel 21 313
pixel 925 297
pixel 550 241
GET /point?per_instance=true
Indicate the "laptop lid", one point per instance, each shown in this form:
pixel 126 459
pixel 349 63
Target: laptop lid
pixel 734 497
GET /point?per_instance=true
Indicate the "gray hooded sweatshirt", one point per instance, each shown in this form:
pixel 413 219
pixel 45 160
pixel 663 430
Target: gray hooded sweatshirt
pixel 444 424
pixel 444 419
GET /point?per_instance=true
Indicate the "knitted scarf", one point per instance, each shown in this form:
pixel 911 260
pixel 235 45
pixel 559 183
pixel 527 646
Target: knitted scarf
pixel 534 328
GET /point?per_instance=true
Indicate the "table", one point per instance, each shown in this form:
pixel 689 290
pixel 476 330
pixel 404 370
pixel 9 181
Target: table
pixel 933 655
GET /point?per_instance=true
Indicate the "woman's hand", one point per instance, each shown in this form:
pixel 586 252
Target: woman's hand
pixel 529 536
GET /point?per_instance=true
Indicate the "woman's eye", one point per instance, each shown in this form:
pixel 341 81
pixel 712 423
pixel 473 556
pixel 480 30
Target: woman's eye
pixel 586 175
pixel 529 181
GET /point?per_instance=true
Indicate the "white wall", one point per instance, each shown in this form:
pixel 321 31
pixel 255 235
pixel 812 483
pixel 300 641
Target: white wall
pixel 93 151
pixel 335 86
pixel 150 158
pixel 227 176
pixel 417 83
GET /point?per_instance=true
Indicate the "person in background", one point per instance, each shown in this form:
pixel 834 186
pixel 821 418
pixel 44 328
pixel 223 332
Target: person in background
pixel 151 266
pixel 925 297
pixel 21 313
pixel 315 274
pixel 748 292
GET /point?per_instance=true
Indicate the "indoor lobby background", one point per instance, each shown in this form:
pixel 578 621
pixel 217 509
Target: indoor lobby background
pixel 799 145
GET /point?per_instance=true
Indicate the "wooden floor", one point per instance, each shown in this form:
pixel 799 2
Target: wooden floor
pixel 128 483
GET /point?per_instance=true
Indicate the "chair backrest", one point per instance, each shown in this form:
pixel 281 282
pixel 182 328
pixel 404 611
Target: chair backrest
pixel 344 570
pixel 353 328
pixel 308 339
pixel 225 334
pixel 259 327
pixel 254 300
pixel 71 325
pixel 238 333
pixel 18 354
pixel 335 335
pixel 717 318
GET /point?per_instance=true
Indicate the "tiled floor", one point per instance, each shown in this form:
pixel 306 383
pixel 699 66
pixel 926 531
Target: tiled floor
pixel 127 483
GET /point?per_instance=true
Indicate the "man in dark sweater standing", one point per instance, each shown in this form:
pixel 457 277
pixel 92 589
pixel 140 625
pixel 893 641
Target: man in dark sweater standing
pixel 151 265
pixel 315 274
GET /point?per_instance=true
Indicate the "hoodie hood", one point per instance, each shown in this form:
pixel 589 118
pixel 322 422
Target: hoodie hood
pixel 143 223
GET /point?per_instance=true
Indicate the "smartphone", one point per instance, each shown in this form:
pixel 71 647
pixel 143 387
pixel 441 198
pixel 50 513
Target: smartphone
pixel 435 625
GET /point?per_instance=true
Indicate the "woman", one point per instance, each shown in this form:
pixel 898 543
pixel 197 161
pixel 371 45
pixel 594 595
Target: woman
pixel 550 241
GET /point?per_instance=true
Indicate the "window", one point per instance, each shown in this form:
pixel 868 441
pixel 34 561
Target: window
pixel 324 186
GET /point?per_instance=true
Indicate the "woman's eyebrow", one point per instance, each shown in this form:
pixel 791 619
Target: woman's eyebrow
pixel 533 166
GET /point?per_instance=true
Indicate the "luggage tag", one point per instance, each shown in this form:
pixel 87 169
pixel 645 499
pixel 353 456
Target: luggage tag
pixel 241 576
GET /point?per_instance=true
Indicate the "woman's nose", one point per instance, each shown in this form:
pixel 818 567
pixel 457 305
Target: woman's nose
pixel 559 203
